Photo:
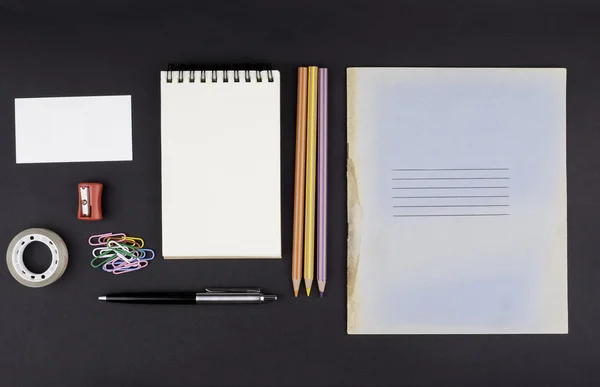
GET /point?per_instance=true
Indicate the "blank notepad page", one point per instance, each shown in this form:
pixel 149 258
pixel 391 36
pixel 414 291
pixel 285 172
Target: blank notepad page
pixel 220 165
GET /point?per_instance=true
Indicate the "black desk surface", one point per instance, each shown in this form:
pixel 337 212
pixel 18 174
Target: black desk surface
pixel 60 335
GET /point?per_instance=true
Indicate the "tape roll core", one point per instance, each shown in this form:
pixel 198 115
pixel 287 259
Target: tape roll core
pixel 17 267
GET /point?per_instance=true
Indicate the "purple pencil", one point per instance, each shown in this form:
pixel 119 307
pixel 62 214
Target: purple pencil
pixel 322 183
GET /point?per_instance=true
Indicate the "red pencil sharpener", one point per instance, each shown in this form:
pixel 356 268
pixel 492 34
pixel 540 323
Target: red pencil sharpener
pixel 90 201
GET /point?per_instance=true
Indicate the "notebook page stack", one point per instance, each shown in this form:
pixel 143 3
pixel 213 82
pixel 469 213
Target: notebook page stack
pixel 221 164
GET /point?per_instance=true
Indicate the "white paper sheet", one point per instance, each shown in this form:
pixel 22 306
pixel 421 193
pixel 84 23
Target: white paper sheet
pixel 73 129
pixel 457 201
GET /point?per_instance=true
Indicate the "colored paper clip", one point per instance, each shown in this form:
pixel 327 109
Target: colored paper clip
pixel 116 238
pixel 118 253
pixel 114 264
pixel 101 256
pixel 118 266
pixel 139 242
pixel 130 268
pixel 102 239
pixel 100 261
pixel 146 251
pixel 100 251
pixel 119 246
pixel 140 254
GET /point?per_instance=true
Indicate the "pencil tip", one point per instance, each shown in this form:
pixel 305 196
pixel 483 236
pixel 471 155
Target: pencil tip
pixel 308 285
pixel 102 298
pixel 296 293
pixel 321 293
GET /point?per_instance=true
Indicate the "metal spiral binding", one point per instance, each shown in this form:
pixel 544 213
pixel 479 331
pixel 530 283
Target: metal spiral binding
pixel 214 70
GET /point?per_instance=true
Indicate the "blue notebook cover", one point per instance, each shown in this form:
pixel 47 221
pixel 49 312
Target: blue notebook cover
pixel 457 201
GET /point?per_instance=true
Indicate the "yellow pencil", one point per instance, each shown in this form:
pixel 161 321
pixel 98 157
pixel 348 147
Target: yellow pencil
pixel 300 179
pixel 311 179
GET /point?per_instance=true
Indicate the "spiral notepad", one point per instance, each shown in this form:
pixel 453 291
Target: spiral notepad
pixel 220 162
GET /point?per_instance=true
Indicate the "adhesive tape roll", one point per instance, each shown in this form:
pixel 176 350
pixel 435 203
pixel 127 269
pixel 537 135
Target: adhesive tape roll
pixel 16 266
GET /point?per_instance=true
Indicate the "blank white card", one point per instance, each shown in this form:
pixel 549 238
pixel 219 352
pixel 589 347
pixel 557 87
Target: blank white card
pixel 73 129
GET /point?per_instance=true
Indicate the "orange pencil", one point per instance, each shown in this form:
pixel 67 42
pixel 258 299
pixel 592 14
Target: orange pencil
pixel 300 179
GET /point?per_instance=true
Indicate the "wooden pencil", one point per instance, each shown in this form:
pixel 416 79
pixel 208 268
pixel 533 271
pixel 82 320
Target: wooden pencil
pixel 311 166
pixel 322 184
pixel 300 178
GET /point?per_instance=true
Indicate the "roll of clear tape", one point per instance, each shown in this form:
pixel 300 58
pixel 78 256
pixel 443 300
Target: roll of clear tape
pixel 17 267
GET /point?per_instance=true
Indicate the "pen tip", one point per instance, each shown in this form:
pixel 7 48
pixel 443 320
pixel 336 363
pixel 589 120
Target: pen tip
pixel 321 293
pixel 296 293
pixel 102 298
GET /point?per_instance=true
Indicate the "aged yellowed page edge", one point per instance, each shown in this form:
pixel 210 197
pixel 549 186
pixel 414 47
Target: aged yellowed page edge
pixel 354 208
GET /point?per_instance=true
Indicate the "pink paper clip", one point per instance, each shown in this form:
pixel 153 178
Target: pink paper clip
pixel 101 239
pixel 130 267
pixel 121 265
pixel 112 265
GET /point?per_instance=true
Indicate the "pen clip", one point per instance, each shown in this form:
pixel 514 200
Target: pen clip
pixel 232 290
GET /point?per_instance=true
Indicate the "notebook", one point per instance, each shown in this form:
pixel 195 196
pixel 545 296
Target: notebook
pixel 220 163
pixel 457 201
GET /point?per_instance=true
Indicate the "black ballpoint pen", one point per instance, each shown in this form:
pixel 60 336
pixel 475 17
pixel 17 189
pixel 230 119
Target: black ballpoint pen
pixel 210 296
